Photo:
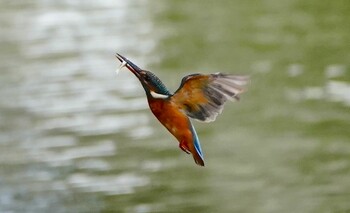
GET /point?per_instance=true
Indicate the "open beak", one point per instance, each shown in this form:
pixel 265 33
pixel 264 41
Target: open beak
pixel 128 64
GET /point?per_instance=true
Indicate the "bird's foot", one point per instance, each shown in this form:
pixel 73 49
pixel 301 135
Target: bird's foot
pixel 184 147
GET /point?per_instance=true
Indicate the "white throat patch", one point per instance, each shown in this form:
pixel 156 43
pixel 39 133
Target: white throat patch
pixel 157 95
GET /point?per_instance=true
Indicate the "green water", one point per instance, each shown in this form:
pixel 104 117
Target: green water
pixel 74 137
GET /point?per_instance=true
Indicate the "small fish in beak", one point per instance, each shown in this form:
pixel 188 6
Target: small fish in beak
pixel 123 64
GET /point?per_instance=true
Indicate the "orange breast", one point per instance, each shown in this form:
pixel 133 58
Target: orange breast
pixel 172 118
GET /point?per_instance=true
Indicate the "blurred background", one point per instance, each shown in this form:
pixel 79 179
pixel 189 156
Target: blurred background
pixel 74 137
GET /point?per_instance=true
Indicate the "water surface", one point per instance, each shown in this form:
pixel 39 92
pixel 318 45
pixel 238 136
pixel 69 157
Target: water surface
pixel 74 137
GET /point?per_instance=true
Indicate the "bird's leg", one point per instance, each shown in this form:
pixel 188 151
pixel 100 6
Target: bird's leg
pixel 184 147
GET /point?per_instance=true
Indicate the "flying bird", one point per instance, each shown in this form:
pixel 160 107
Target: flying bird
pixel 200 97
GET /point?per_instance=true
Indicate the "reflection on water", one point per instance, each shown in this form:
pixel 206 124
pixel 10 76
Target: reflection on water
pixel 339 91
pixel 66 156
pixel 119 184
pixel 333 90
pixel 76 138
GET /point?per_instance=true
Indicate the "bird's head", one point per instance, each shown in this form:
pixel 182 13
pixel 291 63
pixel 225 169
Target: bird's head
pixel 152 85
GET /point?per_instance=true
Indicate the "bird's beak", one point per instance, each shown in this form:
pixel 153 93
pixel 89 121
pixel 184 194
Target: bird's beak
pixel 128 64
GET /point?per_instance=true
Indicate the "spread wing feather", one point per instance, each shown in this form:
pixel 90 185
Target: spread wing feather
pixel 202 97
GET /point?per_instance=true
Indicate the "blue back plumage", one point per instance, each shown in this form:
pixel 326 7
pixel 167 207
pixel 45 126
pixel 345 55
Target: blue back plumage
pixel 196 142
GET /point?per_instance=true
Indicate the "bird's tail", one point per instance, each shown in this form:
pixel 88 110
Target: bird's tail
pixel 196 149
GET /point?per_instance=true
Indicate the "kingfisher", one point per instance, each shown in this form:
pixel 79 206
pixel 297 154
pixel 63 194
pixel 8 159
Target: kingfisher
pixel 200 97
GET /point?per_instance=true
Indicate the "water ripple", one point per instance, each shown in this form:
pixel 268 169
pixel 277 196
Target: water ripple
pixel 66 156
pixel 112 185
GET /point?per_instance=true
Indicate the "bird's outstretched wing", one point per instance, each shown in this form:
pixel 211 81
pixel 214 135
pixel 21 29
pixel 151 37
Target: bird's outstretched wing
pixel 202 97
